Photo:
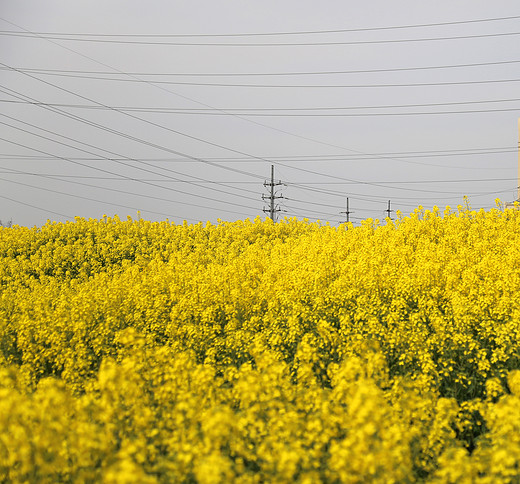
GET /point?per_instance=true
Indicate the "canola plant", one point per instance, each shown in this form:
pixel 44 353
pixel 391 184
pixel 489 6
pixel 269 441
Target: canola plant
pixel 254 352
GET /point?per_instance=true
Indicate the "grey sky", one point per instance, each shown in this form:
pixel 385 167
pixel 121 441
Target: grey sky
pixel 109 107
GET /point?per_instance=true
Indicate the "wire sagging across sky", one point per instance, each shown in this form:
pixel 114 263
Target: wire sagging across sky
pixel 184 120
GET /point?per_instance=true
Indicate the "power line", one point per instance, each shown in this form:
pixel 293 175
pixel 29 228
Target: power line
pixel 63 113
pixel 458 180
pixel 291 199
pixel 273 86
pixel 347 115
pixel 354 115
pixel 275 112
pixel 308 210
pixel 302 32
pixel 137 139
pixel 107 151
pixel 35 207
pixel 359 182
pixel 212 107
pixel 260 124
pixel 105 128
pixel 324 86
pixel 193 100
pixel 317 157
pixel 376 198
pixel 87 74
pixel 115 190
pixel 157 109
pixel 264 160
pixel 80 196
pixel 130 179
pixel 110 172
pixel 253 44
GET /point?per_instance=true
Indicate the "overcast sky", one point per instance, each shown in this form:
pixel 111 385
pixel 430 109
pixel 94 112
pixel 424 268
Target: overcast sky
pixel 178 109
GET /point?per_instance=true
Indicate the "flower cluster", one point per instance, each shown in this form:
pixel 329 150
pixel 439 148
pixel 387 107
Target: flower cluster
pixel 136 351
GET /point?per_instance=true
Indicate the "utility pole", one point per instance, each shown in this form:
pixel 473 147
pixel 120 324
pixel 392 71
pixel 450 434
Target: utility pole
pixel 272 197
pixel 388 211
pixel 512 204
pixel 347 212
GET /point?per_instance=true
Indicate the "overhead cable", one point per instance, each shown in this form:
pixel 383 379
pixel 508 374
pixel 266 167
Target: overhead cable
pixel 301 32
pixel 78 73
pixel 254 44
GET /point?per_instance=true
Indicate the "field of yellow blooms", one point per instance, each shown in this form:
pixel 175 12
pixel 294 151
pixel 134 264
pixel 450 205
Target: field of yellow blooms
pixel 254 352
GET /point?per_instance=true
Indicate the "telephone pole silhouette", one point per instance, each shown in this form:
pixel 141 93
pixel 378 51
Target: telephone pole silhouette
pixel 347 212
pixel 388 211
pixel 272 197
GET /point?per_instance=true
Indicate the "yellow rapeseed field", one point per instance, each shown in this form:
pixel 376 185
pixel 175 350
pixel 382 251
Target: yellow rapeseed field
pixel 254 352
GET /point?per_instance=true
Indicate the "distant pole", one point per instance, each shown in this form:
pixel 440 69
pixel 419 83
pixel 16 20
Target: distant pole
pixel 347 212
pixel 518 181
pixel 389 211
pixel 271 208
pixel 272 197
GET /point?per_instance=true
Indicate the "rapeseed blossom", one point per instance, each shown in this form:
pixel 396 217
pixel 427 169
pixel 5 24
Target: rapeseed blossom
pixel 136 351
